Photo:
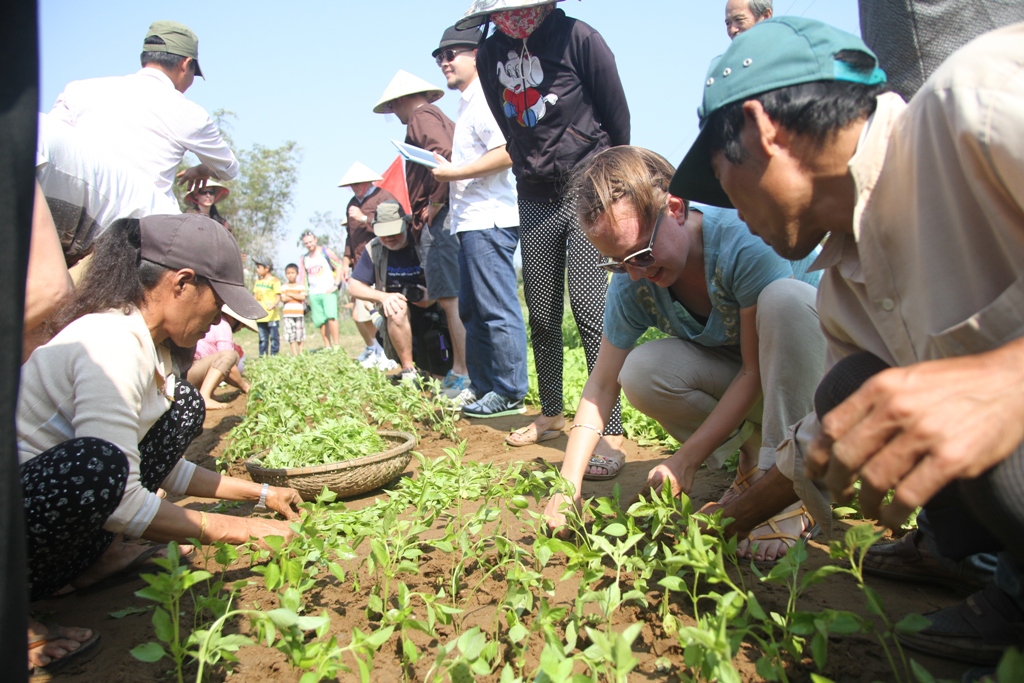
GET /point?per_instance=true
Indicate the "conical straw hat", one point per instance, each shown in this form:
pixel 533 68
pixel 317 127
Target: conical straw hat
pixel 481 9
pixel 358 174
pixel 404 83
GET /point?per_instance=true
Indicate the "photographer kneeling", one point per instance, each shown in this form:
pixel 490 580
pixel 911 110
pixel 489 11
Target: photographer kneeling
pixel 390 275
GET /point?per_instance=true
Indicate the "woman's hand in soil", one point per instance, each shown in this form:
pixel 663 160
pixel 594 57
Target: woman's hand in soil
pixel 284 500
pixel 554 514
pixel 678 473
pixel 260 528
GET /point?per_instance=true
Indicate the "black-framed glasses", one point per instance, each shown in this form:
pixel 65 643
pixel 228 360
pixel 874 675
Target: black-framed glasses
pixel 449 55
pixel 209 192
pixel 639 259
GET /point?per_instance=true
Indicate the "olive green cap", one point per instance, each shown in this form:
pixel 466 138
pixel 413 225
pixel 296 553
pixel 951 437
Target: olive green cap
pixel 775 53
pixel 178 40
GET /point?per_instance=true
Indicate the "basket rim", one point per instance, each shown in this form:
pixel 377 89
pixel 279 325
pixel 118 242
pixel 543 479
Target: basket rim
pixel 408 443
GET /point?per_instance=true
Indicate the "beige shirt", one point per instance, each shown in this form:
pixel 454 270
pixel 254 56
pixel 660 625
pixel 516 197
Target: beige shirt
pixel 101 376
pixel 934 267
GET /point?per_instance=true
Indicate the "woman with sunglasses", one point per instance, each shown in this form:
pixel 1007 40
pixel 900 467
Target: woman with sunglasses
pixel 204 200
pixel 743 352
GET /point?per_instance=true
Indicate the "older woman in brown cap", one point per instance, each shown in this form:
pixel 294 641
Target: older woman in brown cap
pixel 103 422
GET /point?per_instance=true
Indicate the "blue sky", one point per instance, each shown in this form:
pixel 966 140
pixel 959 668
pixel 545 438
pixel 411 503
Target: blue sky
pixel 312 71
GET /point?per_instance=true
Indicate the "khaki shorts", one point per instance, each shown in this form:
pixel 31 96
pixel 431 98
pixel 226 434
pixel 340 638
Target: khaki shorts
pixel 361 310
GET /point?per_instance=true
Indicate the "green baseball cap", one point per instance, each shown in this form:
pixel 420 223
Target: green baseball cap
pixel 178 40
pixel 775 53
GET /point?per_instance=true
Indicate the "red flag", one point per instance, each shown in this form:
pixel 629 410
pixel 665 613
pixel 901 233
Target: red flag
pixel 394 182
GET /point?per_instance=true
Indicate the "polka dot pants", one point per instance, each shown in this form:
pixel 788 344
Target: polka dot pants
pixel 550 237
pixel 71 490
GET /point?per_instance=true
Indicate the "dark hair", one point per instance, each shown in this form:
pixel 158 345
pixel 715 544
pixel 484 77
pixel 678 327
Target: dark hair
pixel 818 109
pixel 117 277
pixel 292 266
pixel 161 58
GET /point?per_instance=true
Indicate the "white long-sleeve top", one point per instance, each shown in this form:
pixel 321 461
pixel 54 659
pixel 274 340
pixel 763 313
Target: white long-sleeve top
pixel 101 376
pixel 143 122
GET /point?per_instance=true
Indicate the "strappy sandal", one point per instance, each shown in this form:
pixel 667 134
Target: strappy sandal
pixel 812 529
pixel 611 466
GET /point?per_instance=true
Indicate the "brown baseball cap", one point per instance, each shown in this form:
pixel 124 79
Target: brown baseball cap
pixel 191 240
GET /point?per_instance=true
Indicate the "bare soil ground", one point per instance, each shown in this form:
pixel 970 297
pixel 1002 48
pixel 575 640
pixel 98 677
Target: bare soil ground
pixel 850 658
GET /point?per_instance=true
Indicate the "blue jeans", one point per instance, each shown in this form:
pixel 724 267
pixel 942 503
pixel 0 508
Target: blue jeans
pixel 269 331
pixel 489 308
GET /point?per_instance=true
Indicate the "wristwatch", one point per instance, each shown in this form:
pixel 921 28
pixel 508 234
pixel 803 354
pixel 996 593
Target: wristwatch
pixel 262 505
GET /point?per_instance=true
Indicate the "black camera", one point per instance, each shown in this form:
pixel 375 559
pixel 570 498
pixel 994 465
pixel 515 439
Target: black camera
pixel 412 293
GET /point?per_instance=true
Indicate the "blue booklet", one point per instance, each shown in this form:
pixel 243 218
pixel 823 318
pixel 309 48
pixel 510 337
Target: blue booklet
pixel 416 154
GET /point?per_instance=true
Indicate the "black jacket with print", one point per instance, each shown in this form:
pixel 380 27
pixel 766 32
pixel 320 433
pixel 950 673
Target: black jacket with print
pixel 557 99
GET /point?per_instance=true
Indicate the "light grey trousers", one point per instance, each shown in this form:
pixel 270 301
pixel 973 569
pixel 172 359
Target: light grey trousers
pixel 679 383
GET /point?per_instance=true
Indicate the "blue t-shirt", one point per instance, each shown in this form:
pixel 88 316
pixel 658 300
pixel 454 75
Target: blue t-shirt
pixel 737 264
pixel 403 266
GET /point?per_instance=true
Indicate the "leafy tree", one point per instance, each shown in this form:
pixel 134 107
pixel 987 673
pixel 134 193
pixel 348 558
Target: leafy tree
pixel 330 230
pixel 262 195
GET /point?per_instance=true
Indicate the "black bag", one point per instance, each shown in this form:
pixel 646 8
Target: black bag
pixel 431 341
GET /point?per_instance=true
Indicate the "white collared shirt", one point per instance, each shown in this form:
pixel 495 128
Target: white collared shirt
pixel 490 201
pixel 145 124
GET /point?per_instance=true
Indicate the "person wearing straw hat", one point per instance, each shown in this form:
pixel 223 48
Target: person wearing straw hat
pixel 359 221
pixel 553 87
pixel 921 297
pixel 485 218
pixel 204 200
pixel 411 99
pixel 144 118
pixel 217 358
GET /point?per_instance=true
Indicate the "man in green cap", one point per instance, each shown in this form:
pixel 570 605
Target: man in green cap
pixel 922 295
pixel 144 120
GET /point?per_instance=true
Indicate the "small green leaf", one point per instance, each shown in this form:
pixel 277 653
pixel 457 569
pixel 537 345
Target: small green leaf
pixel 128 611
pixel 615 529
pixel 148 652
pixel 912 623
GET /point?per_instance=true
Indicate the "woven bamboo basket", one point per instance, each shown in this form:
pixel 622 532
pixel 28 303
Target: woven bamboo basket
pixel 346 478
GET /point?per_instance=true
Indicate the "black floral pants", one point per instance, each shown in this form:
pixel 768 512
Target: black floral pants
pixel 72 489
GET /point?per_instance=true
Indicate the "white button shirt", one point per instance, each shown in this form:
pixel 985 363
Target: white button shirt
pixel 145 124
pixel 490 201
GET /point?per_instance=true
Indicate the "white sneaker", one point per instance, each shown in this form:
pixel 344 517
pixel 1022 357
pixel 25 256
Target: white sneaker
pixel 385 364
pixel 464 398
pixel 367 352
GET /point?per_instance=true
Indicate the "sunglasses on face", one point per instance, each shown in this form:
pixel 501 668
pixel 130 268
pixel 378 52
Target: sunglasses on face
pixel 448 55
pixel 640 259
pixel 207 192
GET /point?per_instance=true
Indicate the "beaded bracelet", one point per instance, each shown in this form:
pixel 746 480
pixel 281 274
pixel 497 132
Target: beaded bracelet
pixel 580 424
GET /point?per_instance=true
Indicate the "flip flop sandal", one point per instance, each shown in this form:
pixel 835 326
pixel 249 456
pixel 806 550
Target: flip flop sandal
pixel 810 532
pixel 86 651
pixel 611 467
pixel 524 432
pixel 140 565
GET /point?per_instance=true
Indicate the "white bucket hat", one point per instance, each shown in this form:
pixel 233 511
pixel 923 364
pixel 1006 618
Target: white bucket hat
pixel 358 173
pixel 404 83
pixel 481 9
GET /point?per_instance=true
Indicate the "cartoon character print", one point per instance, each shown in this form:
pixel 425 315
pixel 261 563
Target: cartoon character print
pixel 520 75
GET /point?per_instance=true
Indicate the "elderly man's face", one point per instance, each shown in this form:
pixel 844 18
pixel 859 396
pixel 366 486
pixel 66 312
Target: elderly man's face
pixel 739 18
pixel 395 242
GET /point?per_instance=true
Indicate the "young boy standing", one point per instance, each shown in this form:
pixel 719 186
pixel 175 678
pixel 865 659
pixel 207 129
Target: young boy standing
pixel 267 290
pixel 293 294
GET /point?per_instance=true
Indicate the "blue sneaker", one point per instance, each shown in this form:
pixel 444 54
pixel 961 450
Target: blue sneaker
pixel 453 385
pixel 493 405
